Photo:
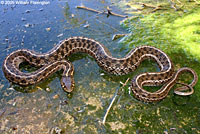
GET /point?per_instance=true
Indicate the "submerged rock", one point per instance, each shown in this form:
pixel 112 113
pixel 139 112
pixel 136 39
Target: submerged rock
pixel 48 29
pixel 27 11
pixel 27 25
pixel 23 19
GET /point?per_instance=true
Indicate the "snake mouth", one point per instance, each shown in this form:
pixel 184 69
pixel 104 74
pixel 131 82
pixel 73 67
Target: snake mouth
pixel 67 83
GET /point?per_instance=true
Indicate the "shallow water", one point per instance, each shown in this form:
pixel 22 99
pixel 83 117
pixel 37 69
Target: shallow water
pixel 48 109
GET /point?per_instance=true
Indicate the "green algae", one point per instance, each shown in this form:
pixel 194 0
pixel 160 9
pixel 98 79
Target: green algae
pixel 177 34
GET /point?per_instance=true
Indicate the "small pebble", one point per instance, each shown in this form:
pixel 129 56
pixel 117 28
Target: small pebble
pixel 48 89
pixel 86 26
pixel 48 29
pixel 102 74
pixel 27 11
pixel 65 102
pixel 11 88
pixel 6 39
pixel 23 19
pixel 55 96
pixel 27 25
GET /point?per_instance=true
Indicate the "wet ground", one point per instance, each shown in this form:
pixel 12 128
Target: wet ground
pixel 48 109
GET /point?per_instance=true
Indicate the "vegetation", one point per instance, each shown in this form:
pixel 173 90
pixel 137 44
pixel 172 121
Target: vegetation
pixel 178 34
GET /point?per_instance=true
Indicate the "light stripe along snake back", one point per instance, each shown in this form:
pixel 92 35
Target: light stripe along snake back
pixel 54 60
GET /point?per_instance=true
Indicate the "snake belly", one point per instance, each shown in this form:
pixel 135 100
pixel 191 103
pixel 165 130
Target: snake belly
pixel 53 61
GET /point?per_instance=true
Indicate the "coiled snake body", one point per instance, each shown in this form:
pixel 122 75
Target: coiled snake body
pixel 53 61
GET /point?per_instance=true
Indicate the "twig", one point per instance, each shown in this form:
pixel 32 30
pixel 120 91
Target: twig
pixel 113 100
pixel 174 5
pixel 155 8
pixel 89 9
pixel 108 25
pixel 100 12
pixel 6 49
pixel 147 5
pixel 117 36
pixel 111 13
pixel 181 4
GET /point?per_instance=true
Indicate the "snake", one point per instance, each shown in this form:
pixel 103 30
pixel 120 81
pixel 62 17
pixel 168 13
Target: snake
pixel 55 60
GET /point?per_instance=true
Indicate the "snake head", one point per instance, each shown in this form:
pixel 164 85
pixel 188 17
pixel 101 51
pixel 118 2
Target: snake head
pixel 67 83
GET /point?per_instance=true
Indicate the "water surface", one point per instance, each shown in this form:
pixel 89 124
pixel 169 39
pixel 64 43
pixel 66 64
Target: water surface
pixel 48 109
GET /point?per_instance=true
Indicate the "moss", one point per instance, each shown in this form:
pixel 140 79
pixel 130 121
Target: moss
pixel 178 35
pixel 167 31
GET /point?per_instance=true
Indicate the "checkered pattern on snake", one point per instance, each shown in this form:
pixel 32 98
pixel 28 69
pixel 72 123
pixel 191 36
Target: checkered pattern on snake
pixel 54 60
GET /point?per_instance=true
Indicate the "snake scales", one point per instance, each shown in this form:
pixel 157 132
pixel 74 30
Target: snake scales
pixel 53 61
